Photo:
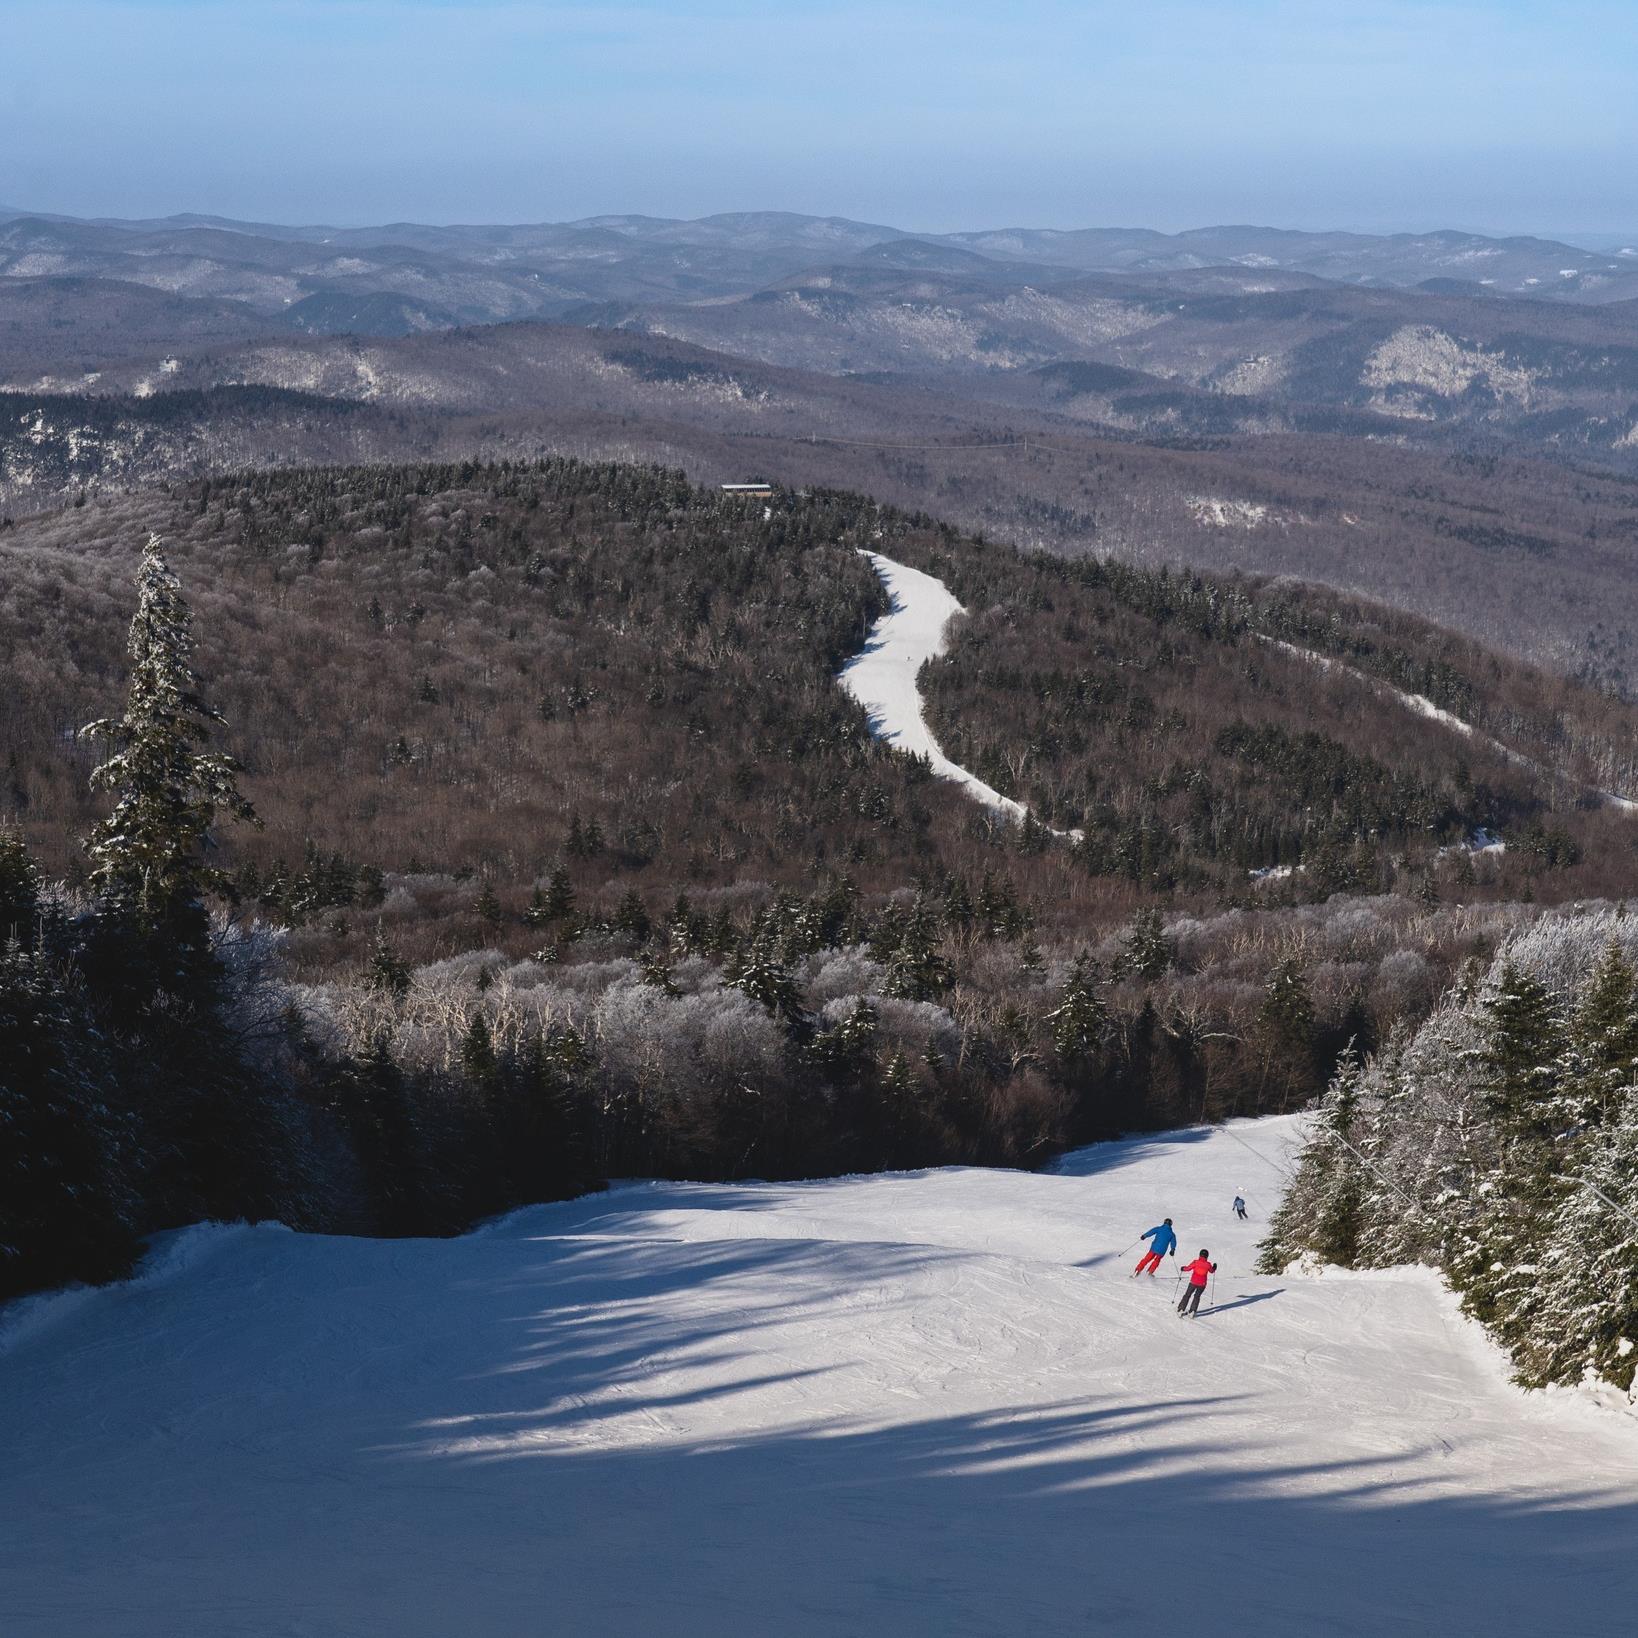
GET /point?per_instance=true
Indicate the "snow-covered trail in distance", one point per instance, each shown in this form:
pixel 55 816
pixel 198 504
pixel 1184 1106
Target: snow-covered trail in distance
pixel 1424 707
pixel 925 1404
pixel 882 676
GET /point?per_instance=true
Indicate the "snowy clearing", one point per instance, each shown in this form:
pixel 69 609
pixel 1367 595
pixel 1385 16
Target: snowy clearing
pixel 882 676
pixel 1274 873
pixel 932 1403
pixel 1215 513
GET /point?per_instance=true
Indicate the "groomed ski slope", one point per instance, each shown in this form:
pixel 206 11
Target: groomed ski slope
pixel 921 1404
pixel 882 676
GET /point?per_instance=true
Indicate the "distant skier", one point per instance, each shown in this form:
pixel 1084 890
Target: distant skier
pixel 1240 1208
pixel 1199 1271
pixel 1162 1243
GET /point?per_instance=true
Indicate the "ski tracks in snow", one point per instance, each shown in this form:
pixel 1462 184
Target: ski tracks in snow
pixel 931 1404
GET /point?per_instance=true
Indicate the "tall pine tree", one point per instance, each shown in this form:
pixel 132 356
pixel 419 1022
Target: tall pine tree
pixel 1604 1035
pixel 148 856
pixel 1322 1208
pixel 1588 1304
pixel 1497 1245
pixel 1079 1019
pixel 1522 1054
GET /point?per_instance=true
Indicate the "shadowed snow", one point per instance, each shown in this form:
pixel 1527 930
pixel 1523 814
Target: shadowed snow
pixel 925 1404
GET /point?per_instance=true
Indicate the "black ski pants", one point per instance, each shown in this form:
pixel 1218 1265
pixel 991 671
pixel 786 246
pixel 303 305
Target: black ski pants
pixel 1191 1300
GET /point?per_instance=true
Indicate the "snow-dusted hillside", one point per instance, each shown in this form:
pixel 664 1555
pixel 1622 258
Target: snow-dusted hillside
pixel 923 1404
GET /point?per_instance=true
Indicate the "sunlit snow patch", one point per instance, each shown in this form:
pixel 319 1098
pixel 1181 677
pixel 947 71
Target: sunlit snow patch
pixel 882 676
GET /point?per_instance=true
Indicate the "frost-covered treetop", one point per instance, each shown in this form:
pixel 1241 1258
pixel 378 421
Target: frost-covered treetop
pixel 167 790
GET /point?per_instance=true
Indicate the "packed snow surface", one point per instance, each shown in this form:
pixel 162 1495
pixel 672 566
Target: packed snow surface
pixel 926 1404
pixel 882 676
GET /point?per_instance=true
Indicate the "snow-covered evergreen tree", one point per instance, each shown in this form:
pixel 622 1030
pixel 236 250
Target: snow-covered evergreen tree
pixel 148 854
pixel 1494 1260
pixel 1604 1036
pixel 1588 1306
pixel 1079 1019
pixel 19 889
pixel 849 1044
pixel 1321 1210
pixel 1146 949
pixel 916 970
pixel 1338 1202
pixel 1522 1056
pixel 388 970
pixel 1500 1143
pixel 759 970
pixel 897 1076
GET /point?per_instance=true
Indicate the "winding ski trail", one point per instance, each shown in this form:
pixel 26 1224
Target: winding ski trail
pixel 931 1403
pixel 882 676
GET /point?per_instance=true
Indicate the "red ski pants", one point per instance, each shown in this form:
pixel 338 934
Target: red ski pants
pixel 1148 1263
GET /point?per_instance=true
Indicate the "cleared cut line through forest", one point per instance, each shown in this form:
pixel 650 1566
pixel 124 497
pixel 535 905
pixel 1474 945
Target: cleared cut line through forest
pixel 1424 707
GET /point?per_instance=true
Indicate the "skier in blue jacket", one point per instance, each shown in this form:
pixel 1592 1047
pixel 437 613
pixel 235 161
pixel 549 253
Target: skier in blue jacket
pixel 1162 1242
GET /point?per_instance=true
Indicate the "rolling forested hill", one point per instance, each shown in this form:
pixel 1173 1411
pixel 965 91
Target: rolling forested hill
pixel 1527 556
pixel 578 862
pixel 450 664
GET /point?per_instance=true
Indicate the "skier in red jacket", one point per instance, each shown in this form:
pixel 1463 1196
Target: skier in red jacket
pixel 1199 1271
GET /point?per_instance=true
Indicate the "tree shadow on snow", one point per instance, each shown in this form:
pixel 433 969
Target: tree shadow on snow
pixel 618 1439
pixel 1126 1514
pixel 1118 1152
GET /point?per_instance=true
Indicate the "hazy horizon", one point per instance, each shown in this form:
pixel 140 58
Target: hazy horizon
pixel 1497 116
pixel 1601 240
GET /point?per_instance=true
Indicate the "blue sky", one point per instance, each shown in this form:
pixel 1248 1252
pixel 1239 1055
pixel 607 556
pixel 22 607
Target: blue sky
pixel 1493 114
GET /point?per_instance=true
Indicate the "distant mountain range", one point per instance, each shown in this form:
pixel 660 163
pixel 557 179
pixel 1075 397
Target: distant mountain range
pixel 1445 421
pixel 483 273
pixel 1428 337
